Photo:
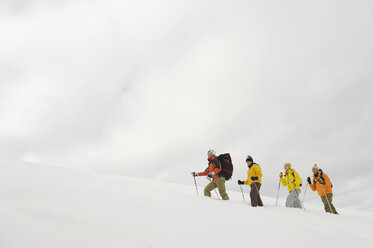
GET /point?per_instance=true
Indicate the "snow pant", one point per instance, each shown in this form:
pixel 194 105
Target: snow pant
pixel 217 183
pixel 292 201
pixel 325 199
pixel 255 196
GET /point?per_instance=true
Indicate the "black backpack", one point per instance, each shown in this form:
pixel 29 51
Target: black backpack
pixel 226 166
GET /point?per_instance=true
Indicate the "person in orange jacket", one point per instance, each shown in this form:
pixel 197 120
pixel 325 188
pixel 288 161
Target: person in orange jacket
pixel 323 185
pixel 212 171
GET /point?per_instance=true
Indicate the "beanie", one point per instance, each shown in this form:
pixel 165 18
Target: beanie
pixel 288 164
pixel 249 158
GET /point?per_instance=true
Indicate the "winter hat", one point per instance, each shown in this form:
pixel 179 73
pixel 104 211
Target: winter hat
pixel 315 166
pixel 288 164
pixel 249 158
pixel 211 151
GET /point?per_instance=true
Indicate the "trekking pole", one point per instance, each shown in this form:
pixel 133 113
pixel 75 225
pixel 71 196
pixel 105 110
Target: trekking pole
pixel 298 197
pixel 304 196
pixel 243 196
pixel 278 190
pixel 195 183
pixel 215 190
pixel 256 187
pixel 330 207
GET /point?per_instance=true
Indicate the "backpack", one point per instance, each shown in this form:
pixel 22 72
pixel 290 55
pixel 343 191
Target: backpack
pixel 226 166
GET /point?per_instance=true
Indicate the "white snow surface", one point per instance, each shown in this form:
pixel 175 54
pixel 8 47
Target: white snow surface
pixel 45 206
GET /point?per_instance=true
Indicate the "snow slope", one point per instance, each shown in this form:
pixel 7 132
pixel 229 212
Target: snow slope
pixel 44 206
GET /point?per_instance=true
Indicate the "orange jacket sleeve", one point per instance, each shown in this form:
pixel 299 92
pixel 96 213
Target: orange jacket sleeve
pixel 212 168
pixel 208 170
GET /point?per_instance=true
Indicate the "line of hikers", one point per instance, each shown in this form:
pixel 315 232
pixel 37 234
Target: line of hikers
pixel 220 170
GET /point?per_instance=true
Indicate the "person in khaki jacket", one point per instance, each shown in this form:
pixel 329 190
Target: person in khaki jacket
pixel 323 185
pixel 212 171
pixel 254 179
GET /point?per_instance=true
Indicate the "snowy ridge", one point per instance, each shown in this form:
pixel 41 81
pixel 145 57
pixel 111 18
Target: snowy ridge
pixel 45 206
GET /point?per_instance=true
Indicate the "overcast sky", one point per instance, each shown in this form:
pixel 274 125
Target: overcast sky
pixel 145 88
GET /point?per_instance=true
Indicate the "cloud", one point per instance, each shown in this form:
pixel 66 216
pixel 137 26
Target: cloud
pixel 146 88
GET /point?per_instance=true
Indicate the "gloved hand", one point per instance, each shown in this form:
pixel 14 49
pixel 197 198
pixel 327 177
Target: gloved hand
pixel 321 181
pixel 254 178
pixel 240 182
pixel 210 175
pixel 308 180
pixel 195 174
pixel 280 175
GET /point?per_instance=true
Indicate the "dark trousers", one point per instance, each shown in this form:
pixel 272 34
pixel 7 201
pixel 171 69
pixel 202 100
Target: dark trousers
pixel 255 196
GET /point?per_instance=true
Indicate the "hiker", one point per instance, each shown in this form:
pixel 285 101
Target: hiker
pixel 212 171
pixel 323 185
pixel 254 180
pixel 294 182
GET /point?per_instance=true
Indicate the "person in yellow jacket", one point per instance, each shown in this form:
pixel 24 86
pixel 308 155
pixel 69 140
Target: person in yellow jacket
pixel 322 184
pixel 291 179
pixel 254 179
